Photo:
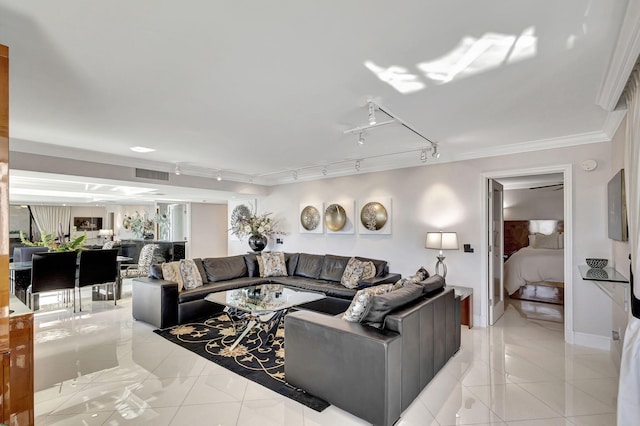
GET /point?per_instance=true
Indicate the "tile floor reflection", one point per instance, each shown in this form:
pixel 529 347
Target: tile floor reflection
pixel 100 367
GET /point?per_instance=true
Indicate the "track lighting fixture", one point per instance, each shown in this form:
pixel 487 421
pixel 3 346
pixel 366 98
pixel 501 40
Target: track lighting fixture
pixel 393 119
pixel 178 171
pixel 295 175
pixel 324 171
pixel 372 114
pixel 435 153
pixel 423 155
pixel 358 165
pixel 219 177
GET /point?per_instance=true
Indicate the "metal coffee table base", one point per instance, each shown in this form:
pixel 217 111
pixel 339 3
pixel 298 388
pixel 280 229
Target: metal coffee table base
pixel 238 317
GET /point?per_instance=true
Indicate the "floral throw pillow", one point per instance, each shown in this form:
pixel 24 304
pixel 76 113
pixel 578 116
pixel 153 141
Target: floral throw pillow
pixel 361 301
pixel 356 271
pixel 272 264
pixel 171 272
pixel 420 275
pixel 190 275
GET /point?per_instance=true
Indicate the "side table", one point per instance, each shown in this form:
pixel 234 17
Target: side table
pixel 466 304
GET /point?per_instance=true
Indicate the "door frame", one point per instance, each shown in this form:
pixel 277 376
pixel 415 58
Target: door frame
pixel 567 171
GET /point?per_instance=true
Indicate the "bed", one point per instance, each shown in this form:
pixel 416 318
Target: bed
pixel 533 256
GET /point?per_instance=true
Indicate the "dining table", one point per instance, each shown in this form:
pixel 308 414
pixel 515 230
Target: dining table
pixel 20 279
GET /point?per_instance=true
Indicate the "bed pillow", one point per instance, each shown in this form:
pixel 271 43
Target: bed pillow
pixel 550 241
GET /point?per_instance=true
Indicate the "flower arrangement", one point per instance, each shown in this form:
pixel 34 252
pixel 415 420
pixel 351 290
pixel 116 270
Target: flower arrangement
pixel 254 224
pixel 61 243
pixel 140 224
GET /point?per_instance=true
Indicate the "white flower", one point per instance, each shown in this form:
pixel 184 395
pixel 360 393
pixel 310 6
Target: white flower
pixel 247 229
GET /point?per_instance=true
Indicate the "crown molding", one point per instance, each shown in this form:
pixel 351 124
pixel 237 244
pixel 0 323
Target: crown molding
pixel 612 122
pixel 538 145
pixel 623 59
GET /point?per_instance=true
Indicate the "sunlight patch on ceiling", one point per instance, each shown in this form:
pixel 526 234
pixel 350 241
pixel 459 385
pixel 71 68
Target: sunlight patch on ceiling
pixel 471 56
pixel 397 77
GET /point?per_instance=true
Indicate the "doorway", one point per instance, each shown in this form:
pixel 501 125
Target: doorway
pixel 487 300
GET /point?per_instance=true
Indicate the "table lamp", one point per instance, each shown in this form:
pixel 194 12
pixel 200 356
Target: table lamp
pixel 106 234
pixel 442 241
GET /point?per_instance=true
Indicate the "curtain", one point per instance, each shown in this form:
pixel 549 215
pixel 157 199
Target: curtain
pixel 49 219
pixel 629 384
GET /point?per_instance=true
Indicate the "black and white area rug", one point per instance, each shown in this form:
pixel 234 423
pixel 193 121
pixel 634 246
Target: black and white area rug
pixel 259 356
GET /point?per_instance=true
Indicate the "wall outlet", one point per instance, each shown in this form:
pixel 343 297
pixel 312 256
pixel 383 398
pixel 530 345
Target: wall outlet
pixel 615 335
pixel 279 241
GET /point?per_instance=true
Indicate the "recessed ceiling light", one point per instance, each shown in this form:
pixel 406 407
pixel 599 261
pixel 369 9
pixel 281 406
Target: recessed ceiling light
pixel 141 149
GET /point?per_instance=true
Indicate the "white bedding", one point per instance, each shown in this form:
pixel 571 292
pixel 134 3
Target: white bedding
pixel 529 265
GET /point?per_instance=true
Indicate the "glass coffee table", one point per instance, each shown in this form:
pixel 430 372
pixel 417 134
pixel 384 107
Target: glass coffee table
pixel 264 304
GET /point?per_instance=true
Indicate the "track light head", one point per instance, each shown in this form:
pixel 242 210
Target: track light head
pixel 219 177
pixel 295 175
pixel 435 153
pixel 324 171
pixel 372 114
pixel 178 171
pixel 361 139
pixel 357 165
pixel 423 155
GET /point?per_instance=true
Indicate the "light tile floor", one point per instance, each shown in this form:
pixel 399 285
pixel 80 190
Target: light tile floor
pixel 100 367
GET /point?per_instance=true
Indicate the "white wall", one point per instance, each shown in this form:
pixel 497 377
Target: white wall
pixel 208 230
pixel 620 251
pixel 532 204
pixel 448 197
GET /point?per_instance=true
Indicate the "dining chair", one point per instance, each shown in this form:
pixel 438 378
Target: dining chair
pixel 144 263
pixel 98 267
pixel 52 271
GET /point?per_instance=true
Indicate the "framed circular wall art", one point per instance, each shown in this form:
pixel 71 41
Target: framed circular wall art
pixel 335 217
pixel 375 216
pixel 310 221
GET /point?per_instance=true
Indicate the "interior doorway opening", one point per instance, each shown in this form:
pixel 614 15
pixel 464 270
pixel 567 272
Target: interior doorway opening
pixel 556 182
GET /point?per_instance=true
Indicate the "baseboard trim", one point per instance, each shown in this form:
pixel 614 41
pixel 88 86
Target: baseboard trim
pixel 592 341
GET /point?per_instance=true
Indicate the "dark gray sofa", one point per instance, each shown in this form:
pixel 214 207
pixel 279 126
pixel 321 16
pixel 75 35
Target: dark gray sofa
pixel 373 373
pixel 158 302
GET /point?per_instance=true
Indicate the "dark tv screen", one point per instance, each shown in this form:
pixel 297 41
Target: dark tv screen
pixel 617 207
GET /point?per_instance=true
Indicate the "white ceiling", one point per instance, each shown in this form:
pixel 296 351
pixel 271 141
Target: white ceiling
pixel 259 90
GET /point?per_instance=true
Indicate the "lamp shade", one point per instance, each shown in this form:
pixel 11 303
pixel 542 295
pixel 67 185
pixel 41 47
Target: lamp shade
pixel 442 241
pixel 105 232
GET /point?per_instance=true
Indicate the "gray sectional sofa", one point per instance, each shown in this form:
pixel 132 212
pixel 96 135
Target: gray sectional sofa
pixel 373 369
pixel 158 302
pixel 373 373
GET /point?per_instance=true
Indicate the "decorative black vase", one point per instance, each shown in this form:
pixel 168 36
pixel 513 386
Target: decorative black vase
pixel 257 242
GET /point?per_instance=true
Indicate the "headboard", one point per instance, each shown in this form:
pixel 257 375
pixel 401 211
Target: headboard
pixel 516 232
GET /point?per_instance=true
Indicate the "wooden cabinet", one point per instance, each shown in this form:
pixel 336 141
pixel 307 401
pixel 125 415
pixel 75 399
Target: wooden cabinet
pixel 4 230
pixel 21 379
pixel 16 330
